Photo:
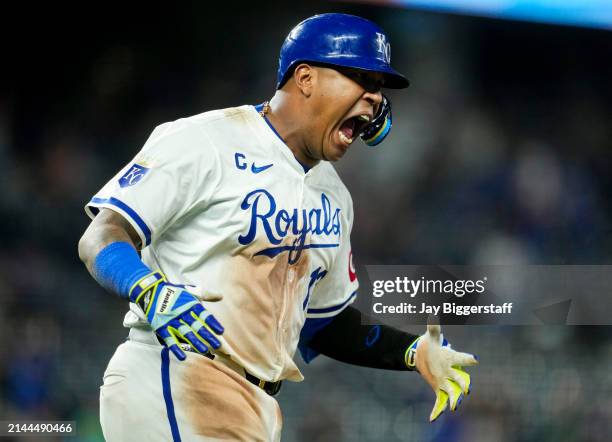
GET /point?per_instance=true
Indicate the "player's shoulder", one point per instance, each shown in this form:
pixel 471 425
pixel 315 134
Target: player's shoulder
pixel 197 131
pixel 230 114
pixel 195 123
pixel 225 122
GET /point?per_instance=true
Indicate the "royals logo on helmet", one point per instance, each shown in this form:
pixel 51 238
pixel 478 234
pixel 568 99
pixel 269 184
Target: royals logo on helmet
pixel 384 48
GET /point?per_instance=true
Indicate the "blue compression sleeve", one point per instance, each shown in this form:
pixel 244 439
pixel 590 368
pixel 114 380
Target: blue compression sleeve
pixel 118 267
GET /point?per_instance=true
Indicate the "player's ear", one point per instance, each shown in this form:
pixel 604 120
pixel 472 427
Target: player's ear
pixel 304 77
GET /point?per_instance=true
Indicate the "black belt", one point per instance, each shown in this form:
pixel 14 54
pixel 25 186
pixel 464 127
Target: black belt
pixel 272 388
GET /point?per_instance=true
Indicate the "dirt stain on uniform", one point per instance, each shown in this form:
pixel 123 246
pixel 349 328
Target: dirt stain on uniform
pixel 268 293
pixel 221 404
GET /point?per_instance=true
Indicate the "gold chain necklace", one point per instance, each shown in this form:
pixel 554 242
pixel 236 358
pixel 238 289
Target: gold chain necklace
pixel 265 109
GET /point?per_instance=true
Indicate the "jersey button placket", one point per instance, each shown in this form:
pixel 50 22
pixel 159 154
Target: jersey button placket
pixel 290 272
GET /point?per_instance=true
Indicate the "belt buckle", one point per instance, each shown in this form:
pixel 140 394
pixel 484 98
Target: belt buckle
pixel 271 388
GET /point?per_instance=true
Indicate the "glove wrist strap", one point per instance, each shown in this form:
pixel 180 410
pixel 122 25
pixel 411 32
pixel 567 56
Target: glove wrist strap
pixel 142 291
pixel 410 354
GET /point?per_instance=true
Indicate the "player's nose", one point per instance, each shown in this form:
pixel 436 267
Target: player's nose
pixel 374 98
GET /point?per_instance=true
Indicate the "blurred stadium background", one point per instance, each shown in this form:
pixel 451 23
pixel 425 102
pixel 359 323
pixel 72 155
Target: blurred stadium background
pixel 500 154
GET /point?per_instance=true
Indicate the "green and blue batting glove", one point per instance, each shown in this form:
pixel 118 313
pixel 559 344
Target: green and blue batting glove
pixel 441 367
pixel 176 314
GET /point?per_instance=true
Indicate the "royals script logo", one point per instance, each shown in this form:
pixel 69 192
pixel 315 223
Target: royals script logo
pixel 320 224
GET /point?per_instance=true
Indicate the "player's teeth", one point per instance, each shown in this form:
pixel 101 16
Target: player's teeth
pixel 365 118
pixel 345 139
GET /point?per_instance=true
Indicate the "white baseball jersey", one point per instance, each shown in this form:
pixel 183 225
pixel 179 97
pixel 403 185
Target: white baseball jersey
pixel 220 201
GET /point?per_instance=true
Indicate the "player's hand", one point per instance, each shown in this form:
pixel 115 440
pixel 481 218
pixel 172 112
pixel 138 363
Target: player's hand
pixel 176 314
pixel 440 366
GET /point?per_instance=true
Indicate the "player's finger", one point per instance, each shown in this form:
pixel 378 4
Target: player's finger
pixel 198 327
pixel 434 331
pixel 207 318
pixel 197 318
pixel 462 379
pixel 453 391
pixel 460 358
pixel 186 334
pixel 178 353
pixel 195 342
pixel 205 334
pixel 212 322
pixel 181 328
pixel 171 343
pixel 439 406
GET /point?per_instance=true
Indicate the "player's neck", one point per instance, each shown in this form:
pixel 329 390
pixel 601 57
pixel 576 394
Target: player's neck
pixel 286 120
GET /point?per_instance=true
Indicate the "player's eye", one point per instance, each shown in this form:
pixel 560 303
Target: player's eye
pixel 366 81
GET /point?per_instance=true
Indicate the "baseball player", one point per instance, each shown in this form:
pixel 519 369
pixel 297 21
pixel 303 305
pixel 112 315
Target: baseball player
pixel 229 235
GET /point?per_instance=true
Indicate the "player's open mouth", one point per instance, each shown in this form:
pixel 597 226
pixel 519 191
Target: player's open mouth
pixel 351 127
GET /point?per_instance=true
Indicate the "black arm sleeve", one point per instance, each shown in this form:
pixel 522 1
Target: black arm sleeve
pixel 376 346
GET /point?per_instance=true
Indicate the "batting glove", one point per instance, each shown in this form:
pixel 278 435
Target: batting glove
pixel 440 366
pixel 177 314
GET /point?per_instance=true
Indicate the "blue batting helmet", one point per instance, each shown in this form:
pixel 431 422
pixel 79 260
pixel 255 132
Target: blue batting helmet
pixel 340 40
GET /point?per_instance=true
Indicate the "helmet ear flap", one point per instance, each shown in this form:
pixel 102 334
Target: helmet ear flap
pixel 377 130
